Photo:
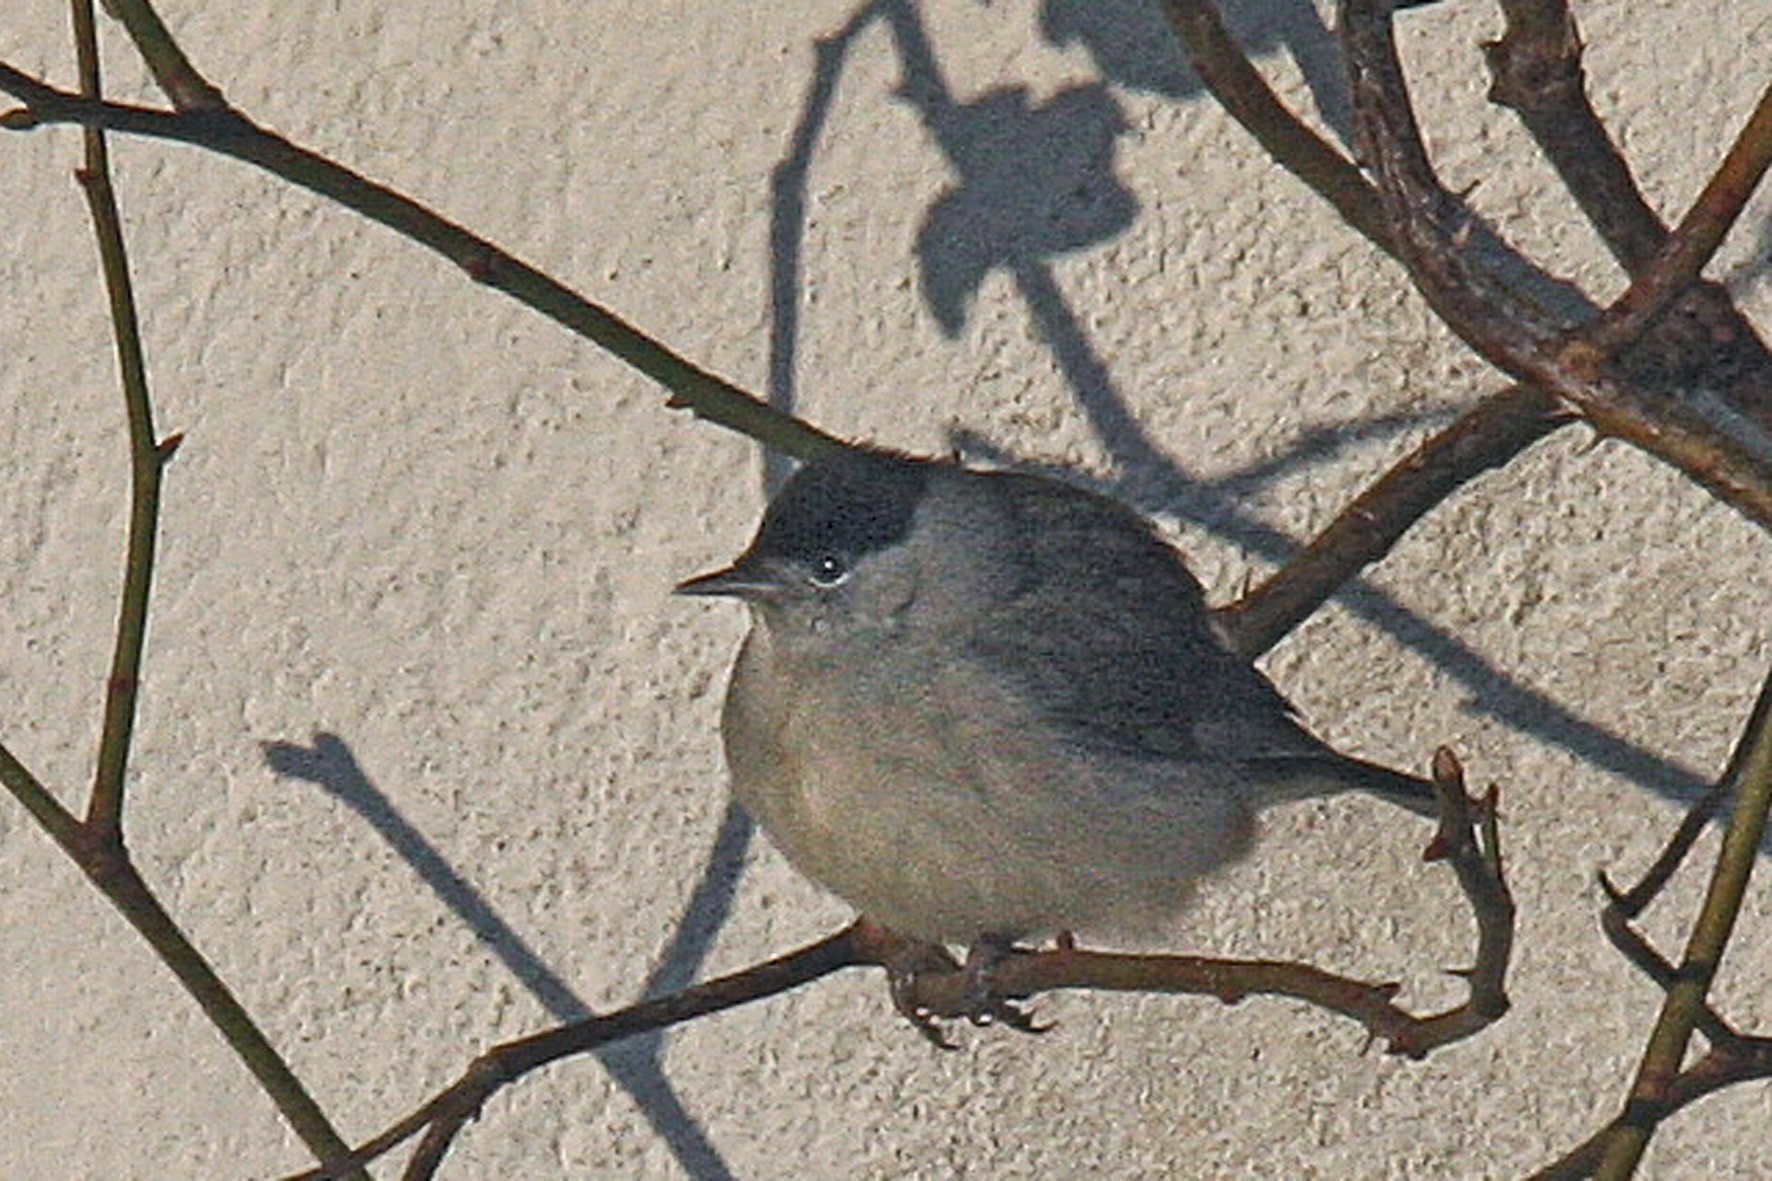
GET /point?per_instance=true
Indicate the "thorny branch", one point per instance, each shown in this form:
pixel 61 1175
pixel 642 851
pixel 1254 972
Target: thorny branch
pixel 1537 69
pixel 1242 92
pixel 1489 436
pixel 1467 839
pixel 1663 1085
pixel 1517 336
pixel 148 457
pixel 1590 368
pixel 96 844
pixel 1702 341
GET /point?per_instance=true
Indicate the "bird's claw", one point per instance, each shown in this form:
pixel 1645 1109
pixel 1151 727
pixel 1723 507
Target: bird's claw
pixel 978 1000
pixel 901 979
pixel 981 1003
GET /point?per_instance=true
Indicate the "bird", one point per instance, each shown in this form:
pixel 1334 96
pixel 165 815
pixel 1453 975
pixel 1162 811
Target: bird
pixel 983 706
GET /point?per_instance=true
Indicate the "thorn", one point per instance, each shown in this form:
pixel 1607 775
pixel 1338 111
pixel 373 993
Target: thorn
pixel 164 449
pixel 20 119
pixel 931 1031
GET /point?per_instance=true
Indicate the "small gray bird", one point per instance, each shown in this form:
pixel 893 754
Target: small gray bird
pixel 983 706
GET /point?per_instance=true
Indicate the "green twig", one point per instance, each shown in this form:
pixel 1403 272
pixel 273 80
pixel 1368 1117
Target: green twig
pixel 96 845
pixel 104 814
pixel 172 70
pixel 232 134
pixel 1651 1097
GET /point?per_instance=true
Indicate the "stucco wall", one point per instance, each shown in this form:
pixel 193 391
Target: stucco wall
pixel 423 540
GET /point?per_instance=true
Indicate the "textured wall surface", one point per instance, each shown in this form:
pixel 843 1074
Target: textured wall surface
pixel 428 758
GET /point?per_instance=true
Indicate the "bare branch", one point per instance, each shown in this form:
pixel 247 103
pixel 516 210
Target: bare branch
pixel 1488 436
pixel 226 131
pixel 1629 904
pixel 453 1107
pixel 1738 1061
pixel 1728 456
pixel 1662 1087
pixel 1653 1095
pixel 96 845
pixel 105 864
pixel 104 813
pixel 1240 89
pixel 172 70
pixel 1679 260
pixel 1535 69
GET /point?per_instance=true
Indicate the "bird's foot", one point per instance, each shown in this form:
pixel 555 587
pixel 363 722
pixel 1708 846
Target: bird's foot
pixel 928 985
pixel 980 1001
pixel 905 969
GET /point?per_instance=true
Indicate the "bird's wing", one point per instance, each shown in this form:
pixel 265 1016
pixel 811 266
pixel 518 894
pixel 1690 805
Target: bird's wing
pixel 1108 637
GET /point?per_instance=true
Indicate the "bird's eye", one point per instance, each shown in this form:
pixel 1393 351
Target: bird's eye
pixel 829 570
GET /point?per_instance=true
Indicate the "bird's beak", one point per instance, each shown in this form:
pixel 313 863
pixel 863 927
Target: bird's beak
pixel 748 578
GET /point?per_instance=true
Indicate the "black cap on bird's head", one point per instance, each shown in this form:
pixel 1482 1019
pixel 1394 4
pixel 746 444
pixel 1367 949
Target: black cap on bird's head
pixel 831 514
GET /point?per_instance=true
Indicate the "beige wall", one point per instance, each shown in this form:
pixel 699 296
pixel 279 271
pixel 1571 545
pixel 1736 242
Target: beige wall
pixel 416 517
